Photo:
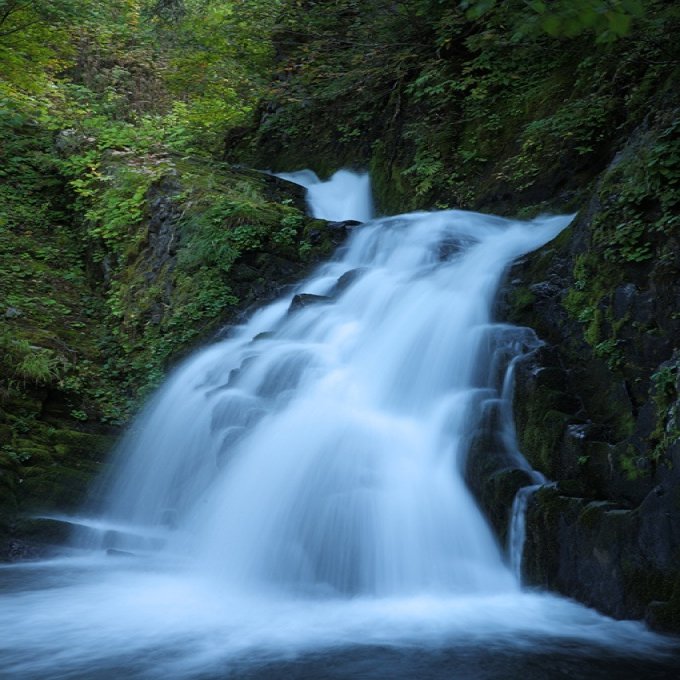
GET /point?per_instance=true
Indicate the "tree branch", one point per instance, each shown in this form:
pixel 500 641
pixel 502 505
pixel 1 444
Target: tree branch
pixel 19 28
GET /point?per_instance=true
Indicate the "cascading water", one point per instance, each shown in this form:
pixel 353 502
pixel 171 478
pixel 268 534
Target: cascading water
pixel 299 486
pixel 518 527
pixel 347 197
pixel 328 454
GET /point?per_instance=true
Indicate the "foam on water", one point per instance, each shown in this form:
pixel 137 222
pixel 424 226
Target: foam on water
pixel 92 618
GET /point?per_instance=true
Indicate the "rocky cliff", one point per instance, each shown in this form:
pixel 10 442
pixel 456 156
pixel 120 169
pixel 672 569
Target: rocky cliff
pixel 597 406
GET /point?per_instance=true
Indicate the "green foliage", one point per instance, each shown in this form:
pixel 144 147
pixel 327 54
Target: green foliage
pixel 666 384
pixel 25 363
pixel 100 103
pixel 426 170
pixel 608 20
pixel 39 366
pixel 583 302
pixel 642 195
pixel 218 64
pixel 454 109
pixel 632 465
pixel 610 351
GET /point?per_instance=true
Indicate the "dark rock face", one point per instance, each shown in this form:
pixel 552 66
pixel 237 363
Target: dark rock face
pixel 596 411
pixel 622 561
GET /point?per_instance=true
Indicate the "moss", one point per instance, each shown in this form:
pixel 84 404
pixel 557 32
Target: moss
pixel 632 464
pixel 541 424
pixel 101 310
pixel 547 510
pixel 31 453
pixel 56 488
pixel 520 300
pixel 391 189
pixel 81 445
pixel 21 404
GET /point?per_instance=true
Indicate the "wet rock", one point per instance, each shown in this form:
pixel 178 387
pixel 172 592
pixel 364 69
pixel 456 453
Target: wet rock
pixel 164 215
pixel 545 289
pixel 156 314
pixel 624 298
pixel 243 272
pixel 551 377
pixel 497 495
pixel 347 279
pixel 659 537
pixel 17 550
pixel 303 300
pixel 343 227
pixel 491 470
pixel 618 560
pixel 314 236
pixel 452 247
pixel 586 415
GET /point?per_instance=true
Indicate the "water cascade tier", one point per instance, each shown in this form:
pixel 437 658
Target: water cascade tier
pixel 300 485
pixel 322 447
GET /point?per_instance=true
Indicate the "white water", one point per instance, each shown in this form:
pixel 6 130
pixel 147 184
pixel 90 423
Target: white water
pixel 518 528
pixel 346 197
pixel 303 489
pixel 518 512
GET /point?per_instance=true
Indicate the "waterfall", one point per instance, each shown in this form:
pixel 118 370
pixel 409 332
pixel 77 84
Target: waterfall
pixel 327 454
pixel 347 196
pixel 292 500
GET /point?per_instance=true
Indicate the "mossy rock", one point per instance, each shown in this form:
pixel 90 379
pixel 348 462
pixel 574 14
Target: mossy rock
pixel 82 445
pixel 546 510
pixel 8 499
pixel 31 453
pixel 42 530
pixel 57 488
pixel 540 438
pixel 21 405
pixel 497 496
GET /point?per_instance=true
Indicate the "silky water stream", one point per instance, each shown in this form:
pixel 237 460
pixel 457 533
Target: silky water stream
pixel 291 504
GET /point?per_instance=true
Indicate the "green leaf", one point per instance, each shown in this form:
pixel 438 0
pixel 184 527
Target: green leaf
pixel 619 23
